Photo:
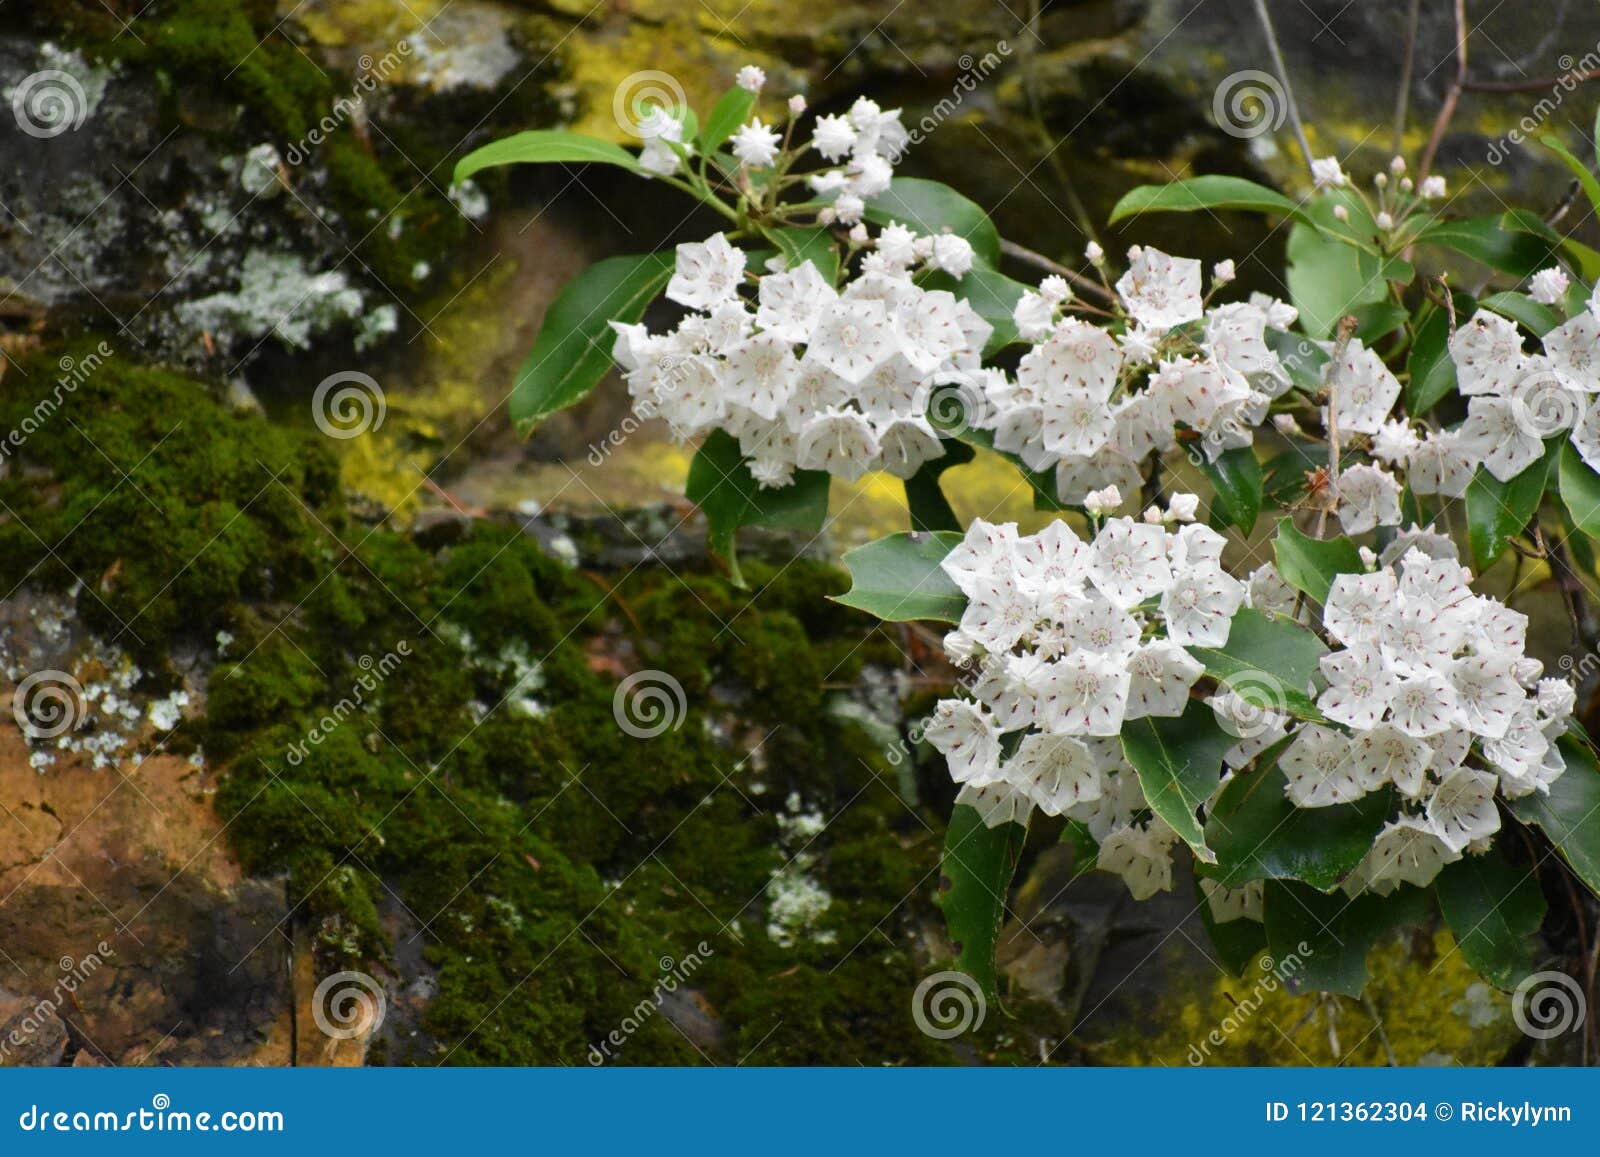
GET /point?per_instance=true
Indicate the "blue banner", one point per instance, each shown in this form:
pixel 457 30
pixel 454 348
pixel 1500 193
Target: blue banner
pixel 783 1111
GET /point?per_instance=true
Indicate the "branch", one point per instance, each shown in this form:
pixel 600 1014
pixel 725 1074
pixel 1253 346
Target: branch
pixel 1402 96
pixel 1040 261
pixel 1265 20
pixel 1447 110
pixel 1578 76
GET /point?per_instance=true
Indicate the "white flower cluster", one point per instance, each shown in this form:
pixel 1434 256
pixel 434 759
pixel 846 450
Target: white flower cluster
pixel 1430 690
pixel 812 377
pixel 1075 638
pixel 1093 404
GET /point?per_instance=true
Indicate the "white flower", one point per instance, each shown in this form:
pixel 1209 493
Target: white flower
pixel 833 137
pixel 1407 851
pixel 1267 592
pixel 1497 434
pixel 1093 253
pixel 759 374
pixel 1054 771
pixel 840 442
pixel 1363 389
pixel 790 303
pixel 1358 605
pixel 996 803
pixel 1394 442
pixel 1085 693
pixel 1487 693
pixel 1432 188
pixel 1077 423
pixel 797 104
pixel 1383 221
pixel 1423 705
pixel 1049 563
pixel 1360 686
pixel 1223 272
pixel 1098 502
pixel 1463 809
pixel 1318 768
pixel 1368 496
pixel 1573 349
pixel 1442 464
pixel 751 78
pixel 967 739
pixel 951 253
pixel 1386 754
pixel 707 272
pixel 1055 289
pixel 1230 904
pixel 1161 674
pixel 1160 291
pixel 1326 173
pixel 987 549
pixel 1183 507
pixel 1549 286
pixel 848 208
pixel 756 144
pixel 1200 604
pixel 1128 562
pixel 1141 856
pixel 1487 352
pixel 1034 316
pixel 851 338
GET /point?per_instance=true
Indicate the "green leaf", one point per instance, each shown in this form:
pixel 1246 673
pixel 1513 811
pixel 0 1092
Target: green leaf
pixel 1328 278
pixel 934 207
pixel 1328 935
pixel 721 486
pixel 1310 564
pixel 1302 357
pixel 978 865
pixel 930 509
pixel 1586 179
pixel 1497 510
pixel 1258 834
pixel 1238 942
pixel 1208 192
pixel 1236 476
pixel 1580 490
pixel 1494 909
pixel 1179 762
pixel 1570 813
pixel 1268 662
pixel 1586 259
pixel 800 244
pixel 1378 319
pixel 544 146
pixel 1430 370
pixel 899 580
pixel 573 350
pixel 1536 318
pixel 731 111
pixel 1486 241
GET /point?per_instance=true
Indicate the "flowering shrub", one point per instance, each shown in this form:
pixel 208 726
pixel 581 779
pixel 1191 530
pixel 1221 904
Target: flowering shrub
pixel 1335 733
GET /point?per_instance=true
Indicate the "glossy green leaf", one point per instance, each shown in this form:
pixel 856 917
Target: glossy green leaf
pixel 573 350
pixel 1376 320
pixel 1327 279
pixel 930 509
pixel 899 580
pixel 1236 477
pixel 1580 490
pixel 1430 369
pixel 1586 179
pixel 731 111
pixel 1310 564
pixel 721 486
pixel 1487 241
pixel 1258 834
pixel 1268 662
pixel 1327 936
pixel 1499 510
pixel 1208 192
pixel 545 146
pixel 1303 358
pixel 1570 813
pixel 1494 909
pixel 1179 762
pixel 800 244
pixel 979 863
pixel 934 207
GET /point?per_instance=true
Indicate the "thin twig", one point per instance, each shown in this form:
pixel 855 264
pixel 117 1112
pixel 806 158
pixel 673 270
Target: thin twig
pixel 1402 96
pixel 1052 149
pixel 1447 110
pixel 1579 76
pixel 1377 1027
pixel 1040 261
pixel 1330 501
pixel 1265 20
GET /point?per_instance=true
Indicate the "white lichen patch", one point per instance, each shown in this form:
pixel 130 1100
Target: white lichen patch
pixel 796 902
pixel 276 295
